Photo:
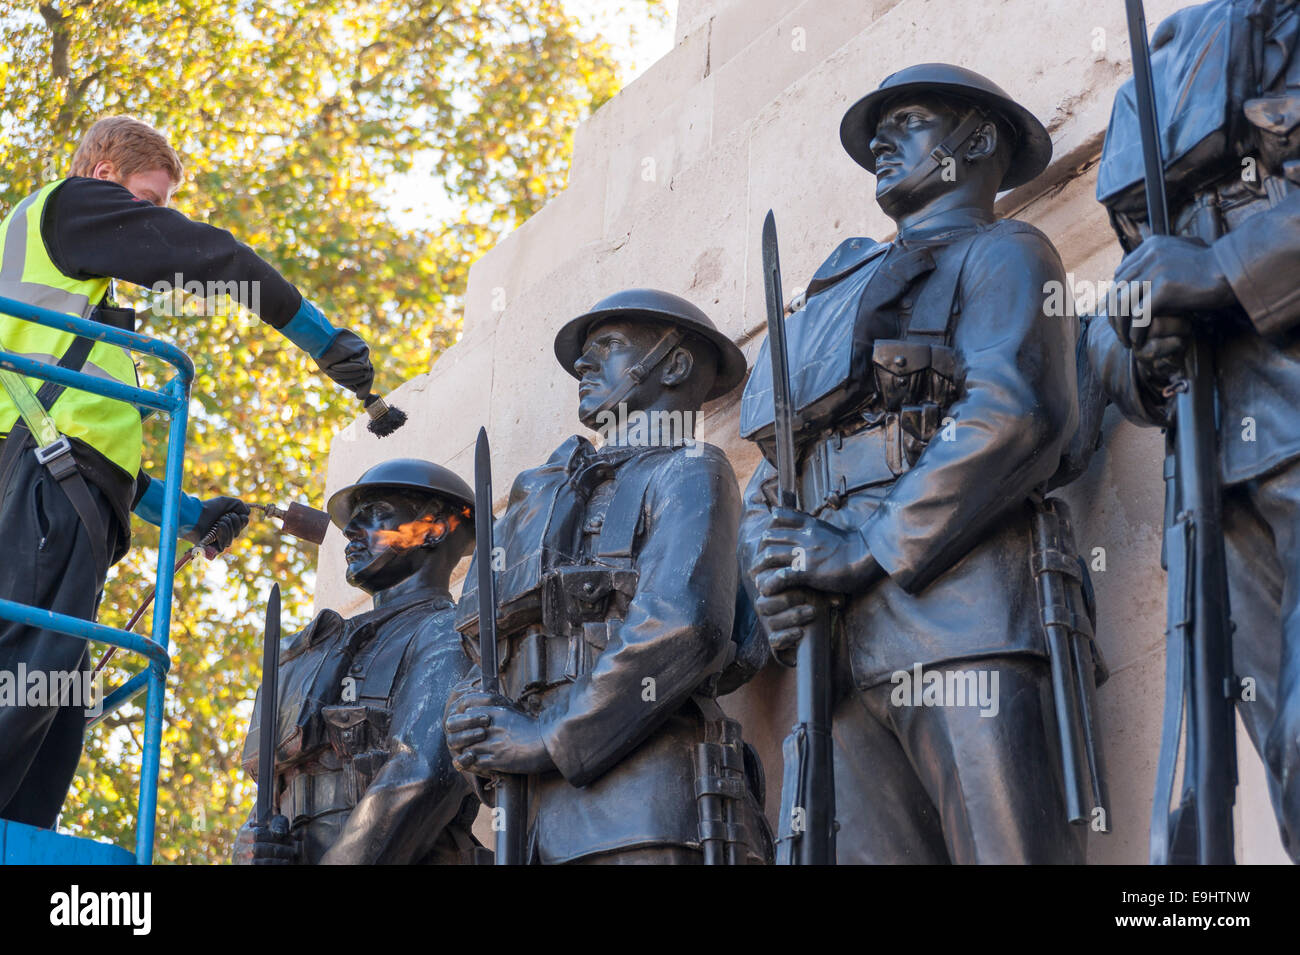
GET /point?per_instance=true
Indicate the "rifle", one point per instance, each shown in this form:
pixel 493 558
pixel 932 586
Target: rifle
pixel 509 818
pixel 807 835
pixel 266 741
pixel 1064 609
pixel 1198 655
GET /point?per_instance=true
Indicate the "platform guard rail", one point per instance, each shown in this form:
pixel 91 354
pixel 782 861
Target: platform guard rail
pixel 28 844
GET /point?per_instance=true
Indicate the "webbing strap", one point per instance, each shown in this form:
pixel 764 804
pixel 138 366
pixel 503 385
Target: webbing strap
pixel 73 359
pixel 937 303
pixel 57 456
pixel 945 151
pixel 618 531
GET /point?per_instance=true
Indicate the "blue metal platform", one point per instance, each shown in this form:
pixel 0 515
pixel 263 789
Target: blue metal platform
pixel 23 844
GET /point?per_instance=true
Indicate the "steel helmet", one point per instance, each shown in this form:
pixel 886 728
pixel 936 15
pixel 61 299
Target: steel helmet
pixel 404 474
pixel 653 305
pixel 1033 146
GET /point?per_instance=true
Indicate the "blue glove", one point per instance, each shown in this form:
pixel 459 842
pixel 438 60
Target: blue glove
pixel 225 515
pixel 341 354
pixel 149 507
pixel 309 330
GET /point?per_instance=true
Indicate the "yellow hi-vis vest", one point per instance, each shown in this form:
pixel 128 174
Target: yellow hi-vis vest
pixel 28 275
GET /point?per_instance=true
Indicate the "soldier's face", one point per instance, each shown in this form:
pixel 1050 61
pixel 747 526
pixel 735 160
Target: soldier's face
pixel 908 131
pixel 389 536
pixel 611 349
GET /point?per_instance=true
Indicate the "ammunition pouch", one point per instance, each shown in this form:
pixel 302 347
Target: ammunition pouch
pixel 576 595
pixel 579 603
pixel 357 734
pixel 841 464
pixel 913 373
pixel 914 384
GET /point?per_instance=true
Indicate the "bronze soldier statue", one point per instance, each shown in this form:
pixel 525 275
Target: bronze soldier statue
pixel 616 593
pixel 363 770
pixel 1227 91
pixel 934 396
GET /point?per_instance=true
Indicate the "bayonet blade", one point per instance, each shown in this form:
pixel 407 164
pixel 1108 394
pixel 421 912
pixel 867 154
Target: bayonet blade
pixel 487 590
pixel 783 418
pixel 270 706
pixel 1144 92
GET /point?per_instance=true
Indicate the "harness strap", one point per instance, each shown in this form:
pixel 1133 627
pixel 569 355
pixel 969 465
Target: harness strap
pixel 58 459
pixel 943 152
pixel 618 532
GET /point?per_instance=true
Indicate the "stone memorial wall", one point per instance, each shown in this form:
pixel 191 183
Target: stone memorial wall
pixel 669 185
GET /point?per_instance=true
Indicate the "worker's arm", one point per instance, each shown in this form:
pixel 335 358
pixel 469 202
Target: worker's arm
pixel 93 227
pixel 227 516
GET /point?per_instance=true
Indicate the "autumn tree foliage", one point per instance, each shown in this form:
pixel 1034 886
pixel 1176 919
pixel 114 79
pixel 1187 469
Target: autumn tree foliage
pixel 306 126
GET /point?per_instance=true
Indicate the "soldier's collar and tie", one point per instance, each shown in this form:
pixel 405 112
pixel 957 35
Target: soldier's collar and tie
pixel 944 226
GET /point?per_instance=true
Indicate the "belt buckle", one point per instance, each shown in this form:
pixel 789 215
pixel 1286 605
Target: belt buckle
pixel 57 457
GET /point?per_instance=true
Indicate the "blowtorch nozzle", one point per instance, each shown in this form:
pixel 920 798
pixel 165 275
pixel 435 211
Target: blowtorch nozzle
pixel 299 520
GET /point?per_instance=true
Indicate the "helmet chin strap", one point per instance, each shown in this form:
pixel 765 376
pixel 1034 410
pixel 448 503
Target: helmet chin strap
pixel 641 370
pixel 941 153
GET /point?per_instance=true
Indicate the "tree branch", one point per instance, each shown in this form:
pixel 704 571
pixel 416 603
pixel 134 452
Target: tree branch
pixel 54 19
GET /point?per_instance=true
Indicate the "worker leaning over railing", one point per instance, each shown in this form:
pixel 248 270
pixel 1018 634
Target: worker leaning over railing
pixel 64 510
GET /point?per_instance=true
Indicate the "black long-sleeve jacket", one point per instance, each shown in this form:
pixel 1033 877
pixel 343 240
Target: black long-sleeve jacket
pixel 93 228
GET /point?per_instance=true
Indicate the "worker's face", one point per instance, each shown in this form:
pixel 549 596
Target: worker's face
pixel 150 185
pixel 390 534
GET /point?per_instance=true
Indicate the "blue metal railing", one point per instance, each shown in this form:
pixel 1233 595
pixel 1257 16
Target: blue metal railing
pixel 173 399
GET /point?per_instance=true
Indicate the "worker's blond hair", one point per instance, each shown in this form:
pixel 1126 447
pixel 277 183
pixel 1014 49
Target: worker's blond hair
pixel 130 145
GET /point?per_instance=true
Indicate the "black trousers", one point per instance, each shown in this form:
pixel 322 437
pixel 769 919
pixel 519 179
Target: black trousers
pixel 45 561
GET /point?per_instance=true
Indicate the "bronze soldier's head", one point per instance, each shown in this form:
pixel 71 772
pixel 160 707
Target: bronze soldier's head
pixel 649 351
pixel 935 131
pixel 404 518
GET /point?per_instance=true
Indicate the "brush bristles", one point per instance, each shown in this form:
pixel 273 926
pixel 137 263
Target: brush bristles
pixel 387 423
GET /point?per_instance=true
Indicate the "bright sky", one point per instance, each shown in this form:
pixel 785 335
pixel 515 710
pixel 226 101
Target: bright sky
pixel 638 40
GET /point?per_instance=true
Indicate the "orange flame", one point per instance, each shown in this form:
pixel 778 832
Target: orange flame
pixel 413 533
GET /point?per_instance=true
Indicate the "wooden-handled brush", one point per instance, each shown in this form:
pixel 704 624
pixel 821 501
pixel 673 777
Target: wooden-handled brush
pixel 384 418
